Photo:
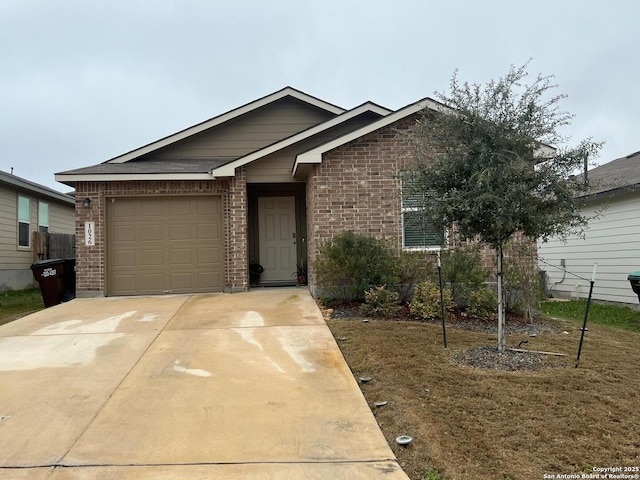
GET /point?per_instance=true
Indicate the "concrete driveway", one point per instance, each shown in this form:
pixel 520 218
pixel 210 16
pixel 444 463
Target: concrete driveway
pixel 243 386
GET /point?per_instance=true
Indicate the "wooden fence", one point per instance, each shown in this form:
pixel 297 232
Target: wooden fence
pixel 53 245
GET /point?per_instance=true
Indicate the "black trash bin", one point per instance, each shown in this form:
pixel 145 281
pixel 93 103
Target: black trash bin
pixel 57 280
pixel 634 280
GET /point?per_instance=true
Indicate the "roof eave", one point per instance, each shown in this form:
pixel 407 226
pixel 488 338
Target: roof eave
pixel 36 189
pixel 612 192
pixel 72 179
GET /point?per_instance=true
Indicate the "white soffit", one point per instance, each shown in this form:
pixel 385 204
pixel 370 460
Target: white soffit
pixel 110 177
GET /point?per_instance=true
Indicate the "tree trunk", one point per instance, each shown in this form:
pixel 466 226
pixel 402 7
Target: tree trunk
pixel 501 332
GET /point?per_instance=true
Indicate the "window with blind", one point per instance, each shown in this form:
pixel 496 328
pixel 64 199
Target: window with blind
pixel 418 231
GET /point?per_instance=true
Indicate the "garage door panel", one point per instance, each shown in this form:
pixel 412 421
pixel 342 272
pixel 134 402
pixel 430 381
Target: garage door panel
pixel 122 210
pixel 124 233
pixel 124 258
pixel 149 208
pixel 153 232
pixel 165 244
pixel 180 232
pixel 212 281
pixel 180 207
pixel 182 282
pixel 208 232
pixel 152 258
pixel 208 255
pixel 205 208
pixel 152 282
pixel 181 256
pixel 127 283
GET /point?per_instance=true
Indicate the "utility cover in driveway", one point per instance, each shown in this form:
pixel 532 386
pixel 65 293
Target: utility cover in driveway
pixel 165 245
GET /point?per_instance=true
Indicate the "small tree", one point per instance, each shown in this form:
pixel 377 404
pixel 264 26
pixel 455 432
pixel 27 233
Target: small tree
pixel 484 164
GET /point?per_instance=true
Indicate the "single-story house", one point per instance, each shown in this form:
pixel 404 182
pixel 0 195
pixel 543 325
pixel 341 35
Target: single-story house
pixel 264 183
pixel 610 240
pixel 26 207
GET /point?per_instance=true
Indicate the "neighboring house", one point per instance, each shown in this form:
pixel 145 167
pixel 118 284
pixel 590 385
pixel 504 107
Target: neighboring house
pixel 264 183
pixel 26 207
pixel 611 239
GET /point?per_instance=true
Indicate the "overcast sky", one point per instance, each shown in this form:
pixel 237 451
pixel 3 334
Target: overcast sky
pixel 84 81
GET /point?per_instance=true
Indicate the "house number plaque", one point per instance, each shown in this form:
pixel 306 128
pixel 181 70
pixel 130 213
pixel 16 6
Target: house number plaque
pixel 89 234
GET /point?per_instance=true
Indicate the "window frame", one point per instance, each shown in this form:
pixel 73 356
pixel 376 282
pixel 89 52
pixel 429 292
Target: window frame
pixel 20 220
pixel 407 209
pixel 43 227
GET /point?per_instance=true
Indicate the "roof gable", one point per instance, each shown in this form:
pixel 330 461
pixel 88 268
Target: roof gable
pixel 228 169
pixel 225 117
pixel 315 155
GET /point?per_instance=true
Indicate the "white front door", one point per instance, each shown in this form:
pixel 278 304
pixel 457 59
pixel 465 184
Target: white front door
pixel 277 237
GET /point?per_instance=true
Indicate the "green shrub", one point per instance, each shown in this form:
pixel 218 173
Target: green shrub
pixel 414 267
pixel 426 301
pixel 483 304
pixel 462 271
pixel 349 264
pixel 380 302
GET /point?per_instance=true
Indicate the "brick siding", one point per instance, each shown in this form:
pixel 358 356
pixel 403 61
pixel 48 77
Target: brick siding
pixel 90 262
pixel 356 187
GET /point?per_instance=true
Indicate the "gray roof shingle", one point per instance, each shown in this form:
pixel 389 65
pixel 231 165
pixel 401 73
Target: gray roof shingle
pixel 622 173
pixel 151 166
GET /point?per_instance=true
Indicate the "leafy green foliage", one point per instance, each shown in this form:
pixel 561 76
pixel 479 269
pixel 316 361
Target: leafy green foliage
pixel 462 271
pixel 426 301
pixel 431 474
pixel 612 315
pixel 349 264
pixel 380 302
pixel 414 267
pixel 486 166
pixel 483 304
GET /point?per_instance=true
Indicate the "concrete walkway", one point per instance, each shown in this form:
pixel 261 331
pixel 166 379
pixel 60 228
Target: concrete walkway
pixel 243 386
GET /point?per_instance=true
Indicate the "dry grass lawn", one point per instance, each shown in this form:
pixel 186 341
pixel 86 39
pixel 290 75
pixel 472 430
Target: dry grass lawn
pixel 469 423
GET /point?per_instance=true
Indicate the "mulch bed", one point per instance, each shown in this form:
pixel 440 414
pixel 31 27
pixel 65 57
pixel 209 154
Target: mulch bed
pixel 488 358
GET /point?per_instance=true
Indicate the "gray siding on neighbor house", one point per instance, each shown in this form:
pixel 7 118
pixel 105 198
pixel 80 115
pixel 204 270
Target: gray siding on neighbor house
pixel 278 166
pixel 61 218
pixel 248 133
pixel 15 262
pixel 611 241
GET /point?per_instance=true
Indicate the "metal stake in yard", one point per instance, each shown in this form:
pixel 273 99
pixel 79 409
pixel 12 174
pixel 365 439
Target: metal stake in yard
pixel 444 330
pixel 586 312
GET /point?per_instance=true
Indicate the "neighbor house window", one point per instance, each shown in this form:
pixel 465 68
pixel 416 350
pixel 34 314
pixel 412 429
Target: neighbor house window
pixel 43 217
pixel 24 220
pixel 419 232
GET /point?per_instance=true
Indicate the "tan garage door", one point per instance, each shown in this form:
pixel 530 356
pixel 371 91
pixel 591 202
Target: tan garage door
pixel 161 245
